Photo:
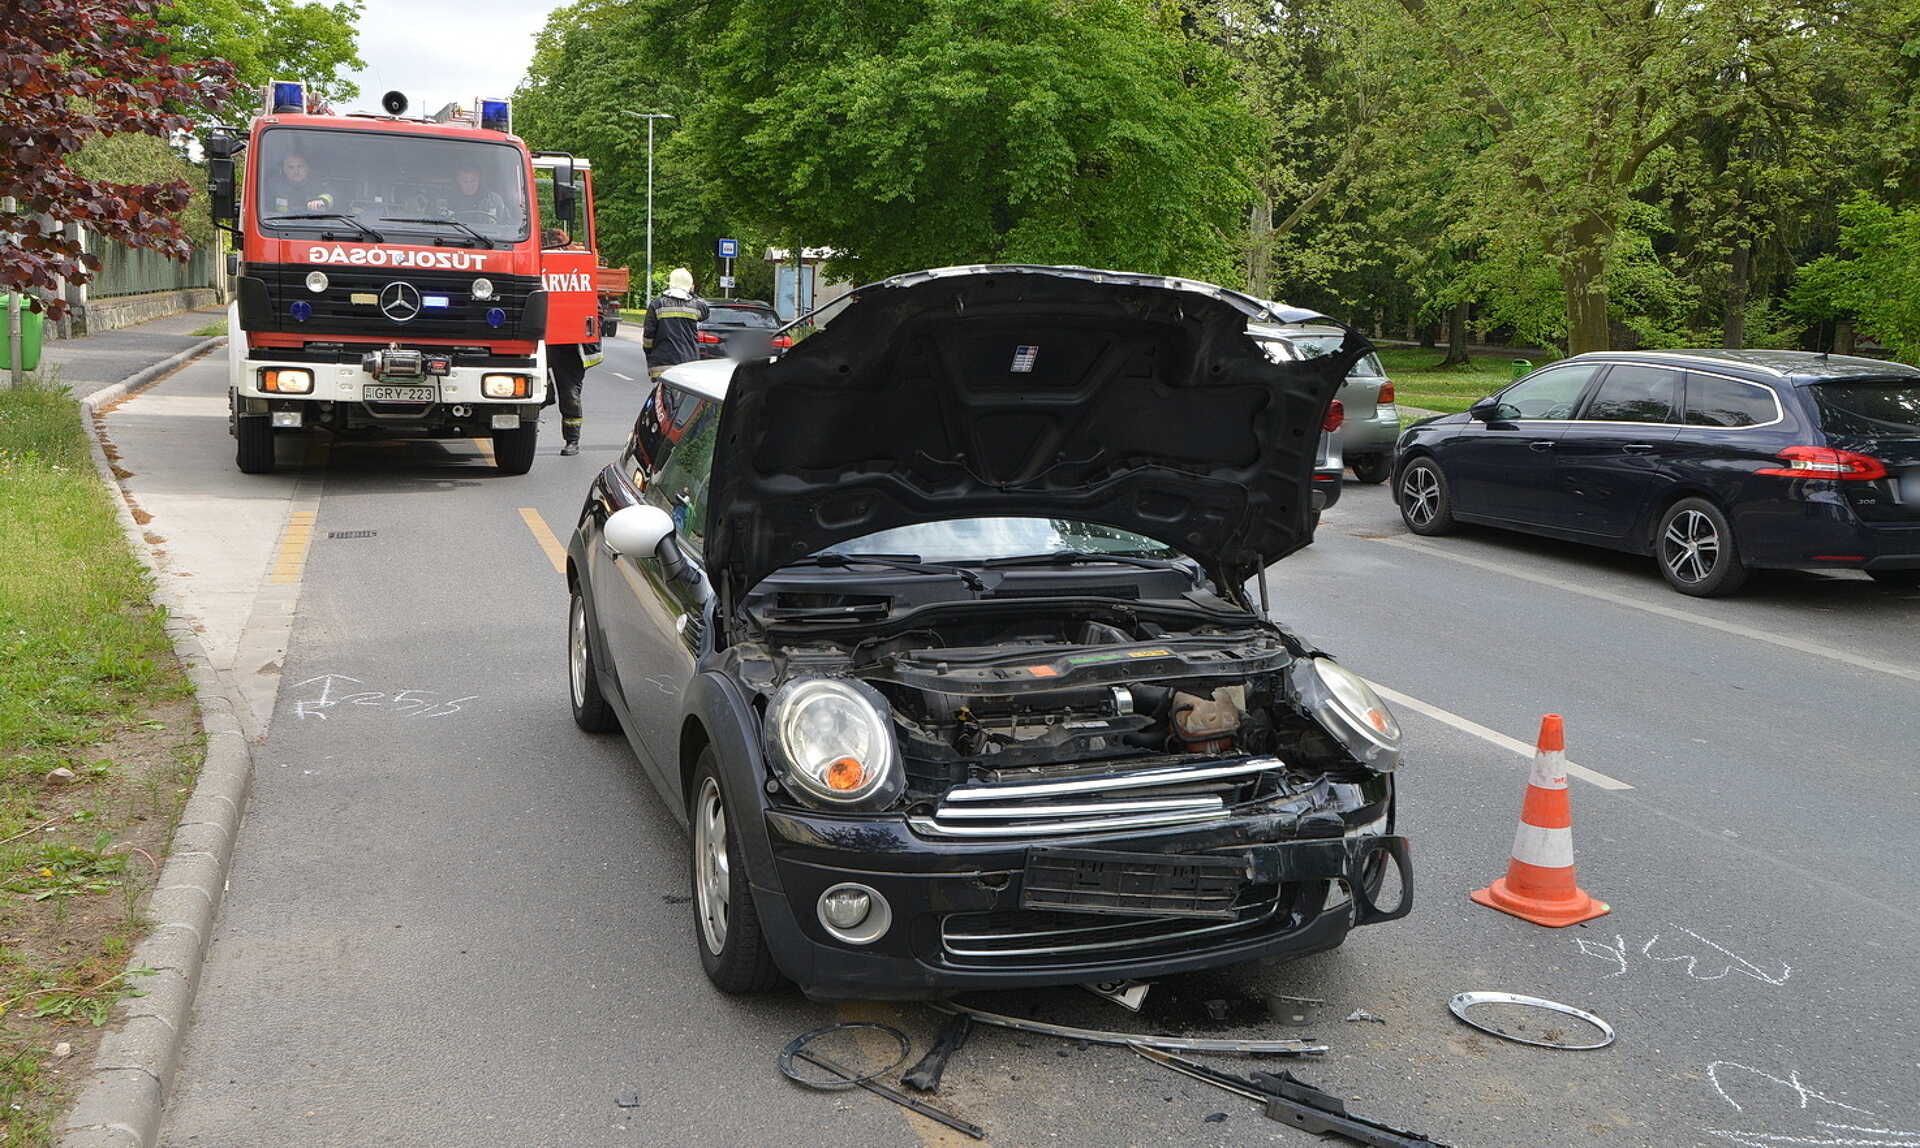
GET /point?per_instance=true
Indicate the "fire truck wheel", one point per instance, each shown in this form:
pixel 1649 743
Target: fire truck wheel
pixel 253 444
pixel 513 449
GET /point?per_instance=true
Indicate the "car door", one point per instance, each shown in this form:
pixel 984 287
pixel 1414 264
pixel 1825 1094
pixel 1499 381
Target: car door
pixel 1498 469
pixel 655 618
pixel 1615 457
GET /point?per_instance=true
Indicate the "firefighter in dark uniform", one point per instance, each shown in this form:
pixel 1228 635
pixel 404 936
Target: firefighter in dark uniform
pixel 673 318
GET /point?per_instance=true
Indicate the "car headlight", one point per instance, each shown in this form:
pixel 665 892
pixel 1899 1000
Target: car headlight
pixel 833 740
pixel 1346 706
pixel 504 386
pixel 287 380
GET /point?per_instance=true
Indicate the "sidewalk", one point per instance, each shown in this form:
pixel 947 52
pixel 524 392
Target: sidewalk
pixel 86 364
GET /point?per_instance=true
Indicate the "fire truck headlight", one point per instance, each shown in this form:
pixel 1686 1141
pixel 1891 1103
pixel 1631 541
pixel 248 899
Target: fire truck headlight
pixel 483 289
pixel 316 281
pixel 504 386
pixel 287 380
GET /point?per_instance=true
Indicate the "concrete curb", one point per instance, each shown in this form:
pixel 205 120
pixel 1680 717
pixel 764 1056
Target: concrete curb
pixel 123 1098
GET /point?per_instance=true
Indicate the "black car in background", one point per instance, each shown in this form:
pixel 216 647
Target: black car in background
pixel 740 329
pixel 1714 462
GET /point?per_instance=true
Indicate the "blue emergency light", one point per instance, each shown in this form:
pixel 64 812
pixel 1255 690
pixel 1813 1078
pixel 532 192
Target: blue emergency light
pixel 433 300
pixel 495 115
pixel 286 96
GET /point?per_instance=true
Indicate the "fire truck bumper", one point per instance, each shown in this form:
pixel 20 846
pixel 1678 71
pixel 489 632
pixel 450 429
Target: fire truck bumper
pixel 346 397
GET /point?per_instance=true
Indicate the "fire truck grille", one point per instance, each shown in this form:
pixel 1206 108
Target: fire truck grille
pixel 351 303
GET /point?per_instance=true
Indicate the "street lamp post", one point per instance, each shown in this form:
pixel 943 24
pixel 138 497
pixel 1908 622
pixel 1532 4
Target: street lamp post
pixel 649 117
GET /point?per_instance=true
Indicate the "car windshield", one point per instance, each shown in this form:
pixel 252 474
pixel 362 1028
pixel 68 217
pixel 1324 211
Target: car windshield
pixel 1870 408
pixel 1318 345
pixel 741 316
pixel 376 178
pixel 984 539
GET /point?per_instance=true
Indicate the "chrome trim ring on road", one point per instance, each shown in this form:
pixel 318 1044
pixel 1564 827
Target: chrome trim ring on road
pixel 1461 1002
pixel 712 870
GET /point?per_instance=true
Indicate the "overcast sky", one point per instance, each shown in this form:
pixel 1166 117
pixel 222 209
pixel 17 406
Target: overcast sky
pixel 439 51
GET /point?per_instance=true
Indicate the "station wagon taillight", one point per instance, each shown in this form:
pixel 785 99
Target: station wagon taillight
pixel 1826 462
pixel 783 340
pixel 705 337
pixel 1336 414
pixel 1386 391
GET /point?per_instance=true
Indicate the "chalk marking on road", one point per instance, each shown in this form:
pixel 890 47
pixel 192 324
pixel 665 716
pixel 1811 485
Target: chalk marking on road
pixel 1513 744
pixel 1819 651
pixel 486 448
pixel 1830 1139
pixel 629 378
pixel 403 703
pixel 556 553
pixel 1616 954
pixel 1792 1081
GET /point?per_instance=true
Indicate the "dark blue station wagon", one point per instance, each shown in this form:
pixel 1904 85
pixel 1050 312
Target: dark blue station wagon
pixel 1713 462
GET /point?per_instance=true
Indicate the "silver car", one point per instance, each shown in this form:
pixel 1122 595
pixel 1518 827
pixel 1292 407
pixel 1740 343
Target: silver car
pixel 1372 422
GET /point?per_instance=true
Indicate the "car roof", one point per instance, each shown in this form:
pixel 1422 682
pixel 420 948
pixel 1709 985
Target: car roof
pixel 707 378
pixel 1798 367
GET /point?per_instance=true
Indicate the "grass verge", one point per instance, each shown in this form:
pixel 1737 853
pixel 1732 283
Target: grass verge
pixel 217 327
pixel 98 742
pixel 1420 381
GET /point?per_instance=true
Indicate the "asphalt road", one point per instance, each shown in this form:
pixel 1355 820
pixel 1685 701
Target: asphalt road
pixel 455 919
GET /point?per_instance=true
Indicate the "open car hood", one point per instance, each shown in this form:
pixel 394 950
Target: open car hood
pixel 1135 401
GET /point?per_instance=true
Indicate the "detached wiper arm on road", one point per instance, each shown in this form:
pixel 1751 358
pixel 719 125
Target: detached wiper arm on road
pixel 894 562
pixel 349 220
pixel 445 223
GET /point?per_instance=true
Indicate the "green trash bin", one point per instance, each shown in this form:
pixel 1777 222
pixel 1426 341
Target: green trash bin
pixel 1521 367
pixel 30 322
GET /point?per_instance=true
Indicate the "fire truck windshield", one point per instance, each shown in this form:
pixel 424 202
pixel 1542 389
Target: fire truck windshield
pixel 390 181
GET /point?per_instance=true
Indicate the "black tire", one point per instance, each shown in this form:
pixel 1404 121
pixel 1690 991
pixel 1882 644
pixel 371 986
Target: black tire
pixel 1696 550
pixel 253 444
pixel 1425 501
pixel 1372 469
pixel 513 449
pixel 591 712
pixel 742 963
pixel 1896 579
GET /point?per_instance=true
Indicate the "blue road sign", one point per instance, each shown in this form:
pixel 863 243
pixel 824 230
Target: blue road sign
pixel 729 248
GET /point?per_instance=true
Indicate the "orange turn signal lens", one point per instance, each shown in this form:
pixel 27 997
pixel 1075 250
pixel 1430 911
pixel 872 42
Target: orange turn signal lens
pixel 846 774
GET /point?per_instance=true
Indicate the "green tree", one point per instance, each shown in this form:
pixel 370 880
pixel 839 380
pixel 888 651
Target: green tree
pixel 311 41
pixel 1871 278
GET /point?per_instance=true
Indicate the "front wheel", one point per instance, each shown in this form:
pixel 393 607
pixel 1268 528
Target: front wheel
pixel 513 449
pixel 1371 468
pixel 1696 550
pixel 590 709
pixel 726 926
pixel 253 444
pixel 1425 503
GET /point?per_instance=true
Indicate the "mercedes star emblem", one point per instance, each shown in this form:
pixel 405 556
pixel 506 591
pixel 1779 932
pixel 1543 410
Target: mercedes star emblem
pixel 399 301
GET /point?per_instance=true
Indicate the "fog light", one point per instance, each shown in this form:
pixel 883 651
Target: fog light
pixel 855 914
pixel 483 289
pixel 504 386
pixel 316 281
pixel 287 420
pixel 506 422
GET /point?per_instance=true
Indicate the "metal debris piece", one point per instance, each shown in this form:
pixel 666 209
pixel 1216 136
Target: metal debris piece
pixel 627 1100
pixel 898 1097
pixel 1282 1047
pixel 1292 1101
pixel 798 1045
pixel 1363 1014
pixel 925 1076
pixel 1301 1000
pixel 1128 995
pixel 1461 1002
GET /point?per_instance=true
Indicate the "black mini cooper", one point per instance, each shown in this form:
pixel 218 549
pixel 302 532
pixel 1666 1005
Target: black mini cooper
pixel 937 632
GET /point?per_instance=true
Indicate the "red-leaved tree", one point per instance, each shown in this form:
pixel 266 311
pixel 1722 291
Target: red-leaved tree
pixel 71 70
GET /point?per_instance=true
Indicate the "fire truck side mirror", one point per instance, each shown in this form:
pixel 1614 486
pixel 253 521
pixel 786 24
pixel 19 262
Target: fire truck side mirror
pixel 565 200
pixel 222 201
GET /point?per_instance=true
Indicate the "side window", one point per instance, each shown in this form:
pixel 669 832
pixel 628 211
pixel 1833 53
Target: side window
pixel 1632 393
pixel 1549 394
pixel 1716 402
pixel 679 483
pixel 554 231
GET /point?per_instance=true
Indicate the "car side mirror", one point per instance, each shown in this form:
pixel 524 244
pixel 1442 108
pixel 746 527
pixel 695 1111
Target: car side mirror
pixel 637 531
pixel 1491 411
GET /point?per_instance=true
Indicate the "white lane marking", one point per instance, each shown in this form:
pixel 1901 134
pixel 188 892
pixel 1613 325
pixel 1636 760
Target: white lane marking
pixel 1512 744
pixel 1908 672
pixel 618 375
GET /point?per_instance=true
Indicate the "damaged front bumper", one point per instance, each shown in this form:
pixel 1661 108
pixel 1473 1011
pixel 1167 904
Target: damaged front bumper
pixel 1283 881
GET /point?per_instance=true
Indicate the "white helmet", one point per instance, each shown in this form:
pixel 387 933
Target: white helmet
pixel 681 279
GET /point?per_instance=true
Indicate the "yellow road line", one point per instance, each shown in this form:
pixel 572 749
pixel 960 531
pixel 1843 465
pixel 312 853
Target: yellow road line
pixel 290 558
pixel 486 447
pixel 556 553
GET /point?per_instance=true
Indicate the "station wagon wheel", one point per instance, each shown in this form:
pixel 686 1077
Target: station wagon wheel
pixel 1425 504
pixel 1697 553
pixel 591 712
pixel 733 950
pixel 1371 468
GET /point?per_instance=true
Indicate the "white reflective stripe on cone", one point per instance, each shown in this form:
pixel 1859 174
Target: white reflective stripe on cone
pixel 1547 848
pixel 1549 769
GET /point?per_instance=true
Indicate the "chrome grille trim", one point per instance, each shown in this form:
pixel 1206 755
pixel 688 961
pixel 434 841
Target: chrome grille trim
pixel 1169 775
pixel 1080 809
pixel 934 827
pixel 1095 803
pixel 1146 932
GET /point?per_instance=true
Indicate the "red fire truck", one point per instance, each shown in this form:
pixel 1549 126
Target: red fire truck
pixel 400 277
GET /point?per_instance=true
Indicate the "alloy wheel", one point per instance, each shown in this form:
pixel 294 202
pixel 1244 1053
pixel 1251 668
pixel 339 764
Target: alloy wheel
pixel 577 650
pixel 1420 495
pixel 1690 547
pixel 713 873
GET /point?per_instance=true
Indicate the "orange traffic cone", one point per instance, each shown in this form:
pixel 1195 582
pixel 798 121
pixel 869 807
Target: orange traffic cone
pixel 1539 884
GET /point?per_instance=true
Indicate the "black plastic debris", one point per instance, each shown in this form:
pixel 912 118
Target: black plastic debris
pixel 1214 1118
pixel 925 1076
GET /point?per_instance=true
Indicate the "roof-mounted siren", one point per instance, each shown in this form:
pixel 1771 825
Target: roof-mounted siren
pixel 286 96
pixel 395 103
pixel 495 115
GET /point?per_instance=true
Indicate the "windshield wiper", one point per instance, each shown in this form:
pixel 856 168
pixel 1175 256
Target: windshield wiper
pixel 446 222
pixel 362 228
pixel 908 562
pixel 1083 557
